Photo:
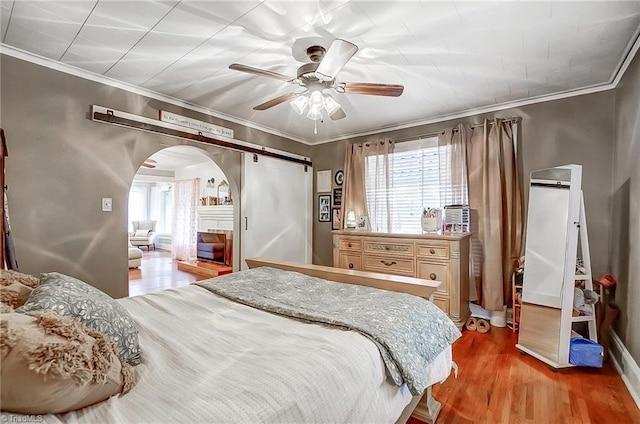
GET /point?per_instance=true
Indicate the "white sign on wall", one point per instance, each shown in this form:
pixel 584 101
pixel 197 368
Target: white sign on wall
pixel 194 124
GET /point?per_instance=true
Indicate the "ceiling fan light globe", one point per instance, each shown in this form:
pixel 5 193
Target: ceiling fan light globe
pixel 316 99
pixel 330 104
pixel 314 114
pixel 299 104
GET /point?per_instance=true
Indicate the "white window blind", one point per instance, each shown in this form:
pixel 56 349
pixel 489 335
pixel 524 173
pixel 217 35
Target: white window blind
pixel 418 177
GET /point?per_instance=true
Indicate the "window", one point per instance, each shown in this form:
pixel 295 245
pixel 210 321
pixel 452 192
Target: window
pixel 137 204
pixel 152 201
pixel 418 178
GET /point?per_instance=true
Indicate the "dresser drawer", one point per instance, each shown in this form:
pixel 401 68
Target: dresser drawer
pixel 350 261
pixel 348 244
pixel 442 303
pixel 390 265
pixel 431 271
pixel 433 251
pixel 393 248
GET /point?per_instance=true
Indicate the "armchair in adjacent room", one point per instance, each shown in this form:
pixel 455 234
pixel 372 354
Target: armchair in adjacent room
pixel 143 234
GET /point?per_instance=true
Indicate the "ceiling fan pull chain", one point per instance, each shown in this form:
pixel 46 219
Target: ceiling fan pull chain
pixel 315 126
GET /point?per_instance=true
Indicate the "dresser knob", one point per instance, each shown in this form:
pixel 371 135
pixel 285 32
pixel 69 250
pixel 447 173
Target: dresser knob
pixel 387 247
pixel 433 276
pixel 432 251
pixel 349 244
pixel 350 266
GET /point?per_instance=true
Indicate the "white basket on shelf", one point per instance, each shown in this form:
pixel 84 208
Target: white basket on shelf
pixel 431 221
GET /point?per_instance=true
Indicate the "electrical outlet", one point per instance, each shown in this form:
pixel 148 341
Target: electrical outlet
pixel 107 204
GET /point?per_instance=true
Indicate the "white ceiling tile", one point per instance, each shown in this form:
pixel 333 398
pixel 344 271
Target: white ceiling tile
pixel 71 11
pixel 102 32
pixel 137 67
pixel 169 82
pixel 567 74
pixel 272 20
pixel 512 97
pixel 593 13
pixel 602 70
pixel 119 15
pixel 90 50
pixel 21 35
pixel 167 47
pixel 340 25
pixel 36 19
pixel 99 66
pixel 450 56
pixel 384 13
pixel 5 13
pixel 218 12
pixel 154 9
pixel 185 22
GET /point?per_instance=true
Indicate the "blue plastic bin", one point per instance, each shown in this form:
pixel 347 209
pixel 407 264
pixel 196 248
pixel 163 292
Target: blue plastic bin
pixel 585 353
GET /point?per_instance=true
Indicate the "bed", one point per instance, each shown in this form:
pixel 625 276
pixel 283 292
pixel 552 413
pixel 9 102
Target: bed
pixel 207 358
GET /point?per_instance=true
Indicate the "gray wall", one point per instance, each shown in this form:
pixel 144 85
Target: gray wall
pixel 61 163
pixel 575 130
pixel 625 222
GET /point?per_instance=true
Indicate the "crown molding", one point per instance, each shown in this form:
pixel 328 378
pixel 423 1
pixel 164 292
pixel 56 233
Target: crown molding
pixel 92 76
pixel 634 46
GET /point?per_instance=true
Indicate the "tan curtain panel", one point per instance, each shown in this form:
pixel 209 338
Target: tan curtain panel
pixel 452 150
pixel 359 159
pixel 494 192
pixel 353 189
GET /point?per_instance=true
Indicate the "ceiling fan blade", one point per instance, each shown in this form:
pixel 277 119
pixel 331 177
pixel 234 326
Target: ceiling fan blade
pixel 149 163
pixel 336 57
pixel 261 72
pixel 338 114
pixel 372 89
pixel 276 101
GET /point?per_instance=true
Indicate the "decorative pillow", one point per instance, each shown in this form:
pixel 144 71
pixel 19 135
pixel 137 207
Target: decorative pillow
pixel 53 364
pixel 141 233
pixel 71 297
pixel 8 276
pixel 14 294
pixel 15 287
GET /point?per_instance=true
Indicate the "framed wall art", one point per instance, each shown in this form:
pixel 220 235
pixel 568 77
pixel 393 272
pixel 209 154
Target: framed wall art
pixel 336 219
pixel 324 208
pixel 323 181
pixel 337 196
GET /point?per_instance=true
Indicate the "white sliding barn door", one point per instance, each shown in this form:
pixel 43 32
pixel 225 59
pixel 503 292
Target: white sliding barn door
pixel 276 210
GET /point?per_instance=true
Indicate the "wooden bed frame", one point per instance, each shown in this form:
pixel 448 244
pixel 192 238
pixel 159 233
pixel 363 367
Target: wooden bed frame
pixel 426 410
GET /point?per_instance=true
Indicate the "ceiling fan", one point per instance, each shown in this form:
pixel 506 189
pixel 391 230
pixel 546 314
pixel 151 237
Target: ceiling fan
pixel 317 76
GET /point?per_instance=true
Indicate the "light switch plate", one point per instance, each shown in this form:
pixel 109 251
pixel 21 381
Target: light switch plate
pixel 107 204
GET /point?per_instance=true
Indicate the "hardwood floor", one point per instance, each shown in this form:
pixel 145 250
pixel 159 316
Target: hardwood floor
pixel 498 384
pixel 158 272
pixel 495 384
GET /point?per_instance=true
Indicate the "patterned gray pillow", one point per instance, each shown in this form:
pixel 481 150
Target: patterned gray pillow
pixel 71 297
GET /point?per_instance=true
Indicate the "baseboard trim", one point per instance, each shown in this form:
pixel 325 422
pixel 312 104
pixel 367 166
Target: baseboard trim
pixel 625 365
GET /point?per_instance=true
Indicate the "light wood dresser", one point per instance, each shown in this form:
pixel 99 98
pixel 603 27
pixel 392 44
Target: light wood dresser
pixel 430 256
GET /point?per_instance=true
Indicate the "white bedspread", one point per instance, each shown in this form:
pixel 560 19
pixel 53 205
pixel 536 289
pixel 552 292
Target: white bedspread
pixel 207 359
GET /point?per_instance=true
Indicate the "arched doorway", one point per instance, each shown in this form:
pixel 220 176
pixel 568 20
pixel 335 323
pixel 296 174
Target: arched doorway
pixel 155 202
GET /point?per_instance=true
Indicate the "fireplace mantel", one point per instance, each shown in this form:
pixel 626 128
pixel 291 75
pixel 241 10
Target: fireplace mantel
pixel 218 217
